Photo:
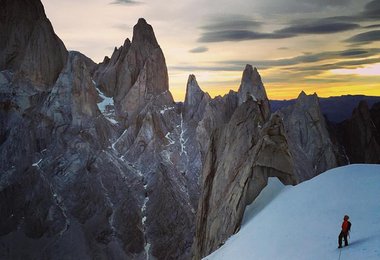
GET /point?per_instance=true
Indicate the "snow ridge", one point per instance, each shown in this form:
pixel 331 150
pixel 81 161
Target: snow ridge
pixel 277 224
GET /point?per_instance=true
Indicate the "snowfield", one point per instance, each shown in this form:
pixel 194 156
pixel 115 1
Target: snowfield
pixel 303 222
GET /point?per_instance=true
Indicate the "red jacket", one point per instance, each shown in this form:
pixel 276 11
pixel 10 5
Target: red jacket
pixel 345 226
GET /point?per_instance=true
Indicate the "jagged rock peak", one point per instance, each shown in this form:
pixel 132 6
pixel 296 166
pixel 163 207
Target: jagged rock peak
pixel 143 33
pixel 127 42
pixel 302 94
pixel 191 79
pixel 251 74
pixel 252 87
pixel 28 43
pixel 195 100
pixel 309 141
pixel 305 100
pixel 192 89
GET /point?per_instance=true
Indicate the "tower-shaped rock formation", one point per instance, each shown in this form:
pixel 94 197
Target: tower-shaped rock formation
pixel 136 74
pixel 308 137
pixel 252 86
pixel 195 100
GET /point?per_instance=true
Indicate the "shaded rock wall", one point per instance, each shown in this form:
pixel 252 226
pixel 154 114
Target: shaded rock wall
pixel 28 44
pixel 360 134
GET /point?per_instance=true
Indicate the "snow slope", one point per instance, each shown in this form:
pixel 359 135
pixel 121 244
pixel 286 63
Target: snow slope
pixel 303 222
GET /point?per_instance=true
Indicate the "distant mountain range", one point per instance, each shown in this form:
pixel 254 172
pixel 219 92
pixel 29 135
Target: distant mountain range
pixel 335 109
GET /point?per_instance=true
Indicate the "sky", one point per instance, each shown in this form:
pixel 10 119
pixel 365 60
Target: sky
pixel 331 47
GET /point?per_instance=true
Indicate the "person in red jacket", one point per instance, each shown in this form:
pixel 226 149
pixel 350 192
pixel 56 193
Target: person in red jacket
pixel 346 226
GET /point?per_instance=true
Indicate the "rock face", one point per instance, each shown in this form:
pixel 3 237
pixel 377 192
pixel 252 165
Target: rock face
pixel 252 86
pixel 308 137
pixel 219 110
pixel 360 134
pixel 93 168
pixel 61 193
pixel 217 113
pixel 195 100
pixel 136 73
pixel 236 169
pixel 28 44
pixel 292 145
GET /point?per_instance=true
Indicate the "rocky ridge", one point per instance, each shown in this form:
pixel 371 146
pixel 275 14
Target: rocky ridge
pixel 309 140
pixel 292 145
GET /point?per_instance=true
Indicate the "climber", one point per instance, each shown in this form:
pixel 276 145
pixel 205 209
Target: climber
pixel 346 226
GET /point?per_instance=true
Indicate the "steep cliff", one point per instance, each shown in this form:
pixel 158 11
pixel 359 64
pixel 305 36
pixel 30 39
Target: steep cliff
pixel 360 134
pixel 292 145
pixel 308 137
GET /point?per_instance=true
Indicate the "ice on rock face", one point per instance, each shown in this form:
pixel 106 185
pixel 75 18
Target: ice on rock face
pixel 162 111
pixel 37 163
pixel 106 101
pixel 166 155
pixel 106 105
pixel 113 121
pixel 171 141
pixel 182 139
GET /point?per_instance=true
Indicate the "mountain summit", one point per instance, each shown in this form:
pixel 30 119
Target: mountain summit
pixel 143 34
pixel 136 74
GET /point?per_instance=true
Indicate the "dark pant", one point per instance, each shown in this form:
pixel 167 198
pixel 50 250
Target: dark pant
pixel 343 235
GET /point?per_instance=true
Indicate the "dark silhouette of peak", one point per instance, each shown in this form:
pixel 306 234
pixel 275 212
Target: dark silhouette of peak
pixel 251 74
pixel 302 94
pixel 143 33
